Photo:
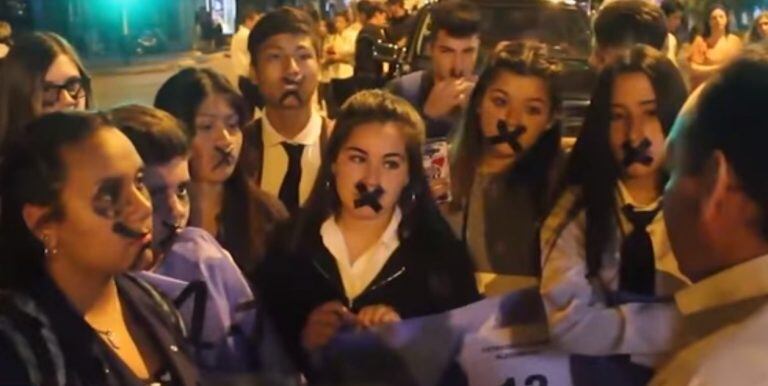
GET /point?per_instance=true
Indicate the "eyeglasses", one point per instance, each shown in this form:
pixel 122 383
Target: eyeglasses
pixel 52 92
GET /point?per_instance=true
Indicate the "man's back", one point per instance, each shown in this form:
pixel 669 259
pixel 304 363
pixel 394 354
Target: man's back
pixel 725 316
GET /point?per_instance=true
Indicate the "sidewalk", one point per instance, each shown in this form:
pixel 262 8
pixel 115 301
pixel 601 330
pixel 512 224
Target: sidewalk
pixel 149 63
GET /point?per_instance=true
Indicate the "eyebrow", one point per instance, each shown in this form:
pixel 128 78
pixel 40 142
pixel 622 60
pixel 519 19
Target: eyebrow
pixel 646 102
pixel 395 155
pixel 534 99
pixel 223 116
pixel 356 149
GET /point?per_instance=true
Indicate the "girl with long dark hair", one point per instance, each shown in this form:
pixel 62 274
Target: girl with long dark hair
pixel 505 160
pixel 370 247
pixel 223 201
pixel 608 270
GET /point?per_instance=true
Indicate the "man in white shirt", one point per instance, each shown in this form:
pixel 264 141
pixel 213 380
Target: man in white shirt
pixel 241 58
pixel 673 12
pixel 282 149
pixel 716 208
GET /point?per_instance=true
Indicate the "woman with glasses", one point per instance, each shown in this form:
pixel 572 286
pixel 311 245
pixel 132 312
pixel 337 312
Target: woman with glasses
pixel 41 74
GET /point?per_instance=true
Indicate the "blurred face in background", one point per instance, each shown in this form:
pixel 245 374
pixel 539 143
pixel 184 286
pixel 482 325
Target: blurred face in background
pixel 217 142
pixel 673 21
pixel 454 57
pixel 718 21
pixel 63 86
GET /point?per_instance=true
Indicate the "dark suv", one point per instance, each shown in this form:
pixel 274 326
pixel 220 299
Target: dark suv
pixel 562 26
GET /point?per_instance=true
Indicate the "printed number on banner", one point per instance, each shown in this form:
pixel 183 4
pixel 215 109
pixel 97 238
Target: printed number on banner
pixel 533 380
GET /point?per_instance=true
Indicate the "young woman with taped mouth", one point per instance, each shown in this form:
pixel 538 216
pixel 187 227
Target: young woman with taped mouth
pixel 76 218
pixel 608 270
pixel 504 161
pixel 370 247
pixel 41 74
pixel 224 201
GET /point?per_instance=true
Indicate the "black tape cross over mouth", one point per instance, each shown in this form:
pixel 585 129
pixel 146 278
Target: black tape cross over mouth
pixel 226 157
pixel 368 197
pixel 637 154
pixel 510 137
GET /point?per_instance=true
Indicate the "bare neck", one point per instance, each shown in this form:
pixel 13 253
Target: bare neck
pixel 644 190
pixel 206 203
pixel 361 234
pixel 289 123
pixel 89 293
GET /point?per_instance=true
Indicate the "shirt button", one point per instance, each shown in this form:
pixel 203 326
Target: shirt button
pixel 174 348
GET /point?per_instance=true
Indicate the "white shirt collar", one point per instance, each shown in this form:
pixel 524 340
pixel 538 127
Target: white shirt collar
pixel 741 282
pixel 358 276
pixel 308 136
pixel 626 198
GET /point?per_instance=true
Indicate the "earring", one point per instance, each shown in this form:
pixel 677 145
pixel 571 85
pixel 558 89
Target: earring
pixel 413 197
pixel 49 250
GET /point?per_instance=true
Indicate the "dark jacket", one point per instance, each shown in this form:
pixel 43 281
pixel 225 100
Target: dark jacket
pixel 43 339
pixel 415 88
pixel 369 72
pixel 423 276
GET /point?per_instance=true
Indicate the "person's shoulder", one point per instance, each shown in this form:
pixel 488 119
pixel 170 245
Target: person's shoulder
pixel 398 85
pixel 197 244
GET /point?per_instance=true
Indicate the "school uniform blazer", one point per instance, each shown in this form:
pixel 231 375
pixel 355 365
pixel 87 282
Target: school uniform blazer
pixel 422 276
pixel 43 339
pixel 581 318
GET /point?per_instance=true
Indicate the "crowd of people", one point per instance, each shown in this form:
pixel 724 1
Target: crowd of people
pixel 225 234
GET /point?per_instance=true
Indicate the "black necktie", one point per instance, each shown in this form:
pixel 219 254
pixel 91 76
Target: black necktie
pixel 289 190
pixel 637 273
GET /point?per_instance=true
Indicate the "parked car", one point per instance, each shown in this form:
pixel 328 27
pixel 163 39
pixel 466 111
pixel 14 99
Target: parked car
pixel 562 25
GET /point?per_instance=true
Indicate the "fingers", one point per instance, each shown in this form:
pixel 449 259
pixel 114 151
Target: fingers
pixel 323 323
pixel 439 187
pixel 376 315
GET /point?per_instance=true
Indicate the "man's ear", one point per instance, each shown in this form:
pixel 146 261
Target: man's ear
pixel 37 219
pixel 717 179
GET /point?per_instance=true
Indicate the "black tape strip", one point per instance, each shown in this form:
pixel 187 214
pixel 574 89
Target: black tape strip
pixel 369 197
pixel 507 136
pixel 226 158
pixel 637 154
pixel 125 231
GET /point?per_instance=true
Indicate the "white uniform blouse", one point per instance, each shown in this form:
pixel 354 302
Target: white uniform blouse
pixel 579 318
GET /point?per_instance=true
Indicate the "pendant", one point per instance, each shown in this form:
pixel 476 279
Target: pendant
pixel 109 336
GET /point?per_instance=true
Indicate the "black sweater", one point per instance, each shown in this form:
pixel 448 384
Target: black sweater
pixel 423 276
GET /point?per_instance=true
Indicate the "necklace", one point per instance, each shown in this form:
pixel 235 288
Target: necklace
pixel 109 336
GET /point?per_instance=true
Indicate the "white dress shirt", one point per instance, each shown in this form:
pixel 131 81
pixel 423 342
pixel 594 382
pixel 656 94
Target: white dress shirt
pixel 735 353
pixel 358 276
pixel 580 320
pixel 344 45
pixel 276 159
pixel 241 58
